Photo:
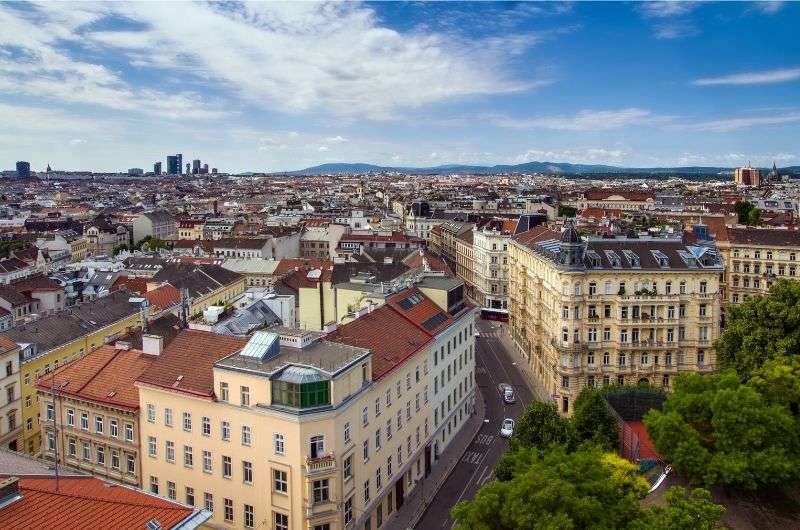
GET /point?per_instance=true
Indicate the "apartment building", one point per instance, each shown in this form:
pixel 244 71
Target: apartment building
pixel 10 422
pixel 606 311
pixel 465 263
pixel 157 224
pixel 91 411
pixel 301 430
pixel 490 249
pixel 61 338
pixel 755 258
pixel 205 284
pixel 615 199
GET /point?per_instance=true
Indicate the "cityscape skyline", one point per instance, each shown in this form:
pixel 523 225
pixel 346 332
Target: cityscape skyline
pixel 400 84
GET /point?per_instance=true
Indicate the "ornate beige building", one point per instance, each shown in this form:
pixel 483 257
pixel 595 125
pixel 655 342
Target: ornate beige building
pixel 612 311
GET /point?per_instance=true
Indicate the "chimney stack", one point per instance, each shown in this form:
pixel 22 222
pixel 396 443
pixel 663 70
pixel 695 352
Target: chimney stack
pixel 152 344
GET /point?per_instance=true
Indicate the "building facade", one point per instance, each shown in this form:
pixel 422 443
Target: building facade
pixel 490 248
pixel 10 416
pixel 612 311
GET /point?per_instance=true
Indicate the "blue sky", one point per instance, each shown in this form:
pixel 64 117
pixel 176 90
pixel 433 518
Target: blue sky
pixel 274 86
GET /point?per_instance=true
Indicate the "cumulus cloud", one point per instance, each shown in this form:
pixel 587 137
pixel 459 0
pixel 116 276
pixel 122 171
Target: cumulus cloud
pixel 666 9
pixel 576 155
pixel 336 139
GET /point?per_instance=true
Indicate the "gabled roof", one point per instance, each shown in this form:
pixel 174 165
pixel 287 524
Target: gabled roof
pixel 105 375
pixel 185 365
pixel 88 502
pixel 199 279
pixel 163 297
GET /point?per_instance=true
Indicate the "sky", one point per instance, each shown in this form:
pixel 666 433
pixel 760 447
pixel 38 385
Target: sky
pixel 281 86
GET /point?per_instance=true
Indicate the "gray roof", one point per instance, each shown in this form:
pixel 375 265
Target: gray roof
pixel 199 279
pixel 64 326
pixel 13 463
pixel 246 319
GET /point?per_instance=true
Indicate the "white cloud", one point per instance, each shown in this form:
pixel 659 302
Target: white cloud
pixel 769 8
pixel 674 30
pixel 396 158
pixel 735 124
pixel 295 57
pixel 585 120
pixel 77 141
pixel 577 155
pixel 762 77
pixel 666 9
pixel 323 148
pixel 336 139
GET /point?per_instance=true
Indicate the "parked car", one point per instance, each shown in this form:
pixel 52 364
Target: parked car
pixel 507 430
pixel 508 395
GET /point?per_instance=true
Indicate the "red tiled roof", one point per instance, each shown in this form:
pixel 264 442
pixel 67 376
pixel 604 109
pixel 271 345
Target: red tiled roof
pixel 190 356
pixel 37 282
pixel 6 343
pixel 106 375
pixel 289 264
pixel 394 236
pixel 419 313
pixel 163 297
pixel 134 285
pixel 391 338
pixel 534 235
pixel 87 502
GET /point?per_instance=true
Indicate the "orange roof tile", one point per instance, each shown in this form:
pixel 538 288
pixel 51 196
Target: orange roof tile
pixel 163 297
pixel 134 285
pixel 87 502
pixel 190 357
pixel 289 264
pixel 6 343
pixel 105 375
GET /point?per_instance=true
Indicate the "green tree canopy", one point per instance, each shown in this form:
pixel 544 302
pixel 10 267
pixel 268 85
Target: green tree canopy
pixel 685 511
pixel 754 217
pixel 592 420
pixel 717 430
pixel 541 426
pixel 760 329
pixel 742 209
pixel 556 490
pixel 564 210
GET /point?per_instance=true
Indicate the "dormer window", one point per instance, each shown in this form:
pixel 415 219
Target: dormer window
pixel 632 258
pixel 661 258
pixel 614 259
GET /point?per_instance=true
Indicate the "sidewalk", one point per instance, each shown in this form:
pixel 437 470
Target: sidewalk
pixel 415 504
pixel 534 384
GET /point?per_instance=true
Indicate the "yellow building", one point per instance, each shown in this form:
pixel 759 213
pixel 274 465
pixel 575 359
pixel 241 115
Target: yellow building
pixel 755 258
pixel 612 311
pixel 465 262
pixel 309 432
pixel 205 285
pixel 63 337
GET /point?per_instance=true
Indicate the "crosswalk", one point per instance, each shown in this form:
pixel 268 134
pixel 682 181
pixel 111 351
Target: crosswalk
pixel 494 333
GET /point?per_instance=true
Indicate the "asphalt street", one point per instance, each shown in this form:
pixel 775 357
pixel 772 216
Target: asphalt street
pixel 494 367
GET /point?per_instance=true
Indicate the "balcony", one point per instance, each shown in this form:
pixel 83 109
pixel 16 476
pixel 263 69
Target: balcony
pixel 320 509
pixel 322 465
pixel 566 347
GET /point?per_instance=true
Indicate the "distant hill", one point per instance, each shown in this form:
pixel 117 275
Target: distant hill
pixel 527 167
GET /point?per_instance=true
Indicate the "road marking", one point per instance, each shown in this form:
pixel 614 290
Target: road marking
pixel 471 457
pixel 478 480
pixel 484 439
pixel 486 479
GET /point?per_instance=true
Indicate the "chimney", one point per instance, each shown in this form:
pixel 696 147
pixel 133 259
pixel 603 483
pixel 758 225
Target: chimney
pixel 152 344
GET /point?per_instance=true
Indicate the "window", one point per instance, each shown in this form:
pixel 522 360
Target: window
pixel 171 490
pixel 389 466
pixel 365 417
pixel 247 472
pixel 226 467
pixel 226 431
pixel 317 446
pixel 366 491
pixel 248 516
pixel 348 468
pixel 348 511
pixel 206 423
pixel 320 490
pixel 187 421
pixel 153 485
pixel 84 421
pixel 207 462
pixel 281 521
pixel 98 424
pixel 378 440
pixel 224 392
pixel 113 428
pixel 169 451
pixel 246 435
pixel 168 417
pixel 129 432
pixel 151 445
pixel 244 393
pixel 347 438
pixel 189 496
pixel 228 510
pixel 70 417
pixel 208 501
pixel 280 481
pixel 115 459
pixel 188 456
pixel 151 412
pixel 279 443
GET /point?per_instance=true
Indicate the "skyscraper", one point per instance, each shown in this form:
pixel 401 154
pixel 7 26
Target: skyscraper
pixel 180 163
pixel 157 168
pixel 204 169
pixel 195 166
pixel 173 165
pixel 188 168
pixel 24 170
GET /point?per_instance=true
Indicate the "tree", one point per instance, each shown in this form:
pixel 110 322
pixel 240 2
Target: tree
pixel 685 511
pixel 556 489
pixel 754 217
pixel 119 248
pixel 565 210
pixel 592 421
pixel 717 430
pixel 541 426
pixel 742 209
pixel 760 329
